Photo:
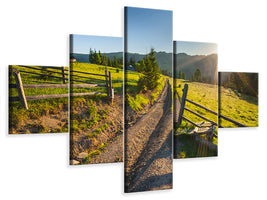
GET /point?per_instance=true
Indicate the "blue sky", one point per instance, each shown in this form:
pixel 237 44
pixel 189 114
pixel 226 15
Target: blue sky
pixel 147 28
pixel 196 48
pixel 83 43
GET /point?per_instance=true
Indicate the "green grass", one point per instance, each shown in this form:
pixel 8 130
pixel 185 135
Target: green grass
pixel 201 93
pixel 239 107
pixel 92 154
pixel 116 74
pixel 37 108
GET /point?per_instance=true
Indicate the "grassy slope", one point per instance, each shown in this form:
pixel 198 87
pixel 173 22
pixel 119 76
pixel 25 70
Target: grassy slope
pixel 136 99
pixel 117 77
pixel 94 103
pixel 239 107
pixel 201 93
pixel 37 108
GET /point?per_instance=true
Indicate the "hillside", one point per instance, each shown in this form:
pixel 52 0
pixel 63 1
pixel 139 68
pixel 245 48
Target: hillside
pixel 188 64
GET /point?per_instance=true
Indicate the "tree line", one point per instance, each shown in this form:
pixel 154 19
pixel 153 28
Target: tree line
pixel 101 59
pixel 197 76
pixel 245 83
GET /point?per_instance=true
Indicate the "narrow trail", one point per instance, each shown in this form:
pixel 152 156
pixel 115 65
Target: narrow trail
pixel 112 153
pixel 148 147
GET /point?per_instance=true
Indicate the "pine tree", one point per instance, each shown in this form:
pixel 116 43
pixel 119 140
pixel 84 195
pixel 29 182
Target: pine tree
pixel 97 59
pixel 197 75
pixel 91 56
pixel 115 62
pixel 104 60
pixel 109 62
pixel 183 76
pixel 151 72
pixel 180 74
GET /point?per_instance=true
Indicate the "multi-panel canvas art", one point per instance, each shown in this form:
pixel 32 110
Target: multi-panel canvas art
pixel 96 103
pixel 38 99
pixel 155 100
pixel 195 99
pixel 148 100
pixel 238 99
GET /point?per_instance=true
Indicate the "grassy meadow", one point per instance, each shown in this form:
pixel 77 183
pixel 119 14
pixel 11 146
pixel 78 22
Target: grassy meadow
pixel 116 73
pixel 239 107
pixel 34 119
pixel 201 93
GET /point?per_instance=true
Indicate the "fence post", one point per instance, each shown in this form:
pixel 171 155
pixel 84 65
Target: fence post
pixel 19 86
pixel 110 87
pixel 63 75
pixel 182 105
pixel 106 77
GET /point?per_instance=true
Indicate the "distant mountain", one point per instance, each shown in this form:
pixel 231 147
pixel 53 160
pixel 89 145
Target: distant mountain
pixel 188 65
pixel 84 58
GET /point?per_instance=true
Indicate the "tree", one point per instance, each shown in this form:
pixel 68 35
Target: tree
pixel 101 58
pixel 97 59
pixel 115 62
pixel 197 75
pixel 92 56
pixel 151 72
pixel 180 74
pixel 109 62
pixel 104 60
pixel 183 76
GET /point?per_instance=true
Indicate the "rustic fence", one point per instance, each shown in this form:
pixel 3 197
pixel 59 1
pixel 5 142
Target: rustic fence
pixel 180 107
pixel 90 82
pixel 64 78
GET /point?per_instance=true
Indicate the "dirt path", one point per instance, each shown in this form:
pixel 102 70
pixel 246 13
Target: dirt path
pixel 148 147
pixel 112 153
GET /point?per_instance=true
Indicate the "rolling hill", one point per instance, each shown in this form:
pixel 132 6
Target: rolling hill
pixel 188 64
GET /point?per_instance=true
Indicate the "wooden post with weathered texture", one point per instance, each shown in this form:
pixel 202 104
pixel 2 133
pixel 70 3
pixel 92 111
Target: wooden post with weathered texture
pixel 110 87
pixel 106 77
pixel 180 116
pixel 63 75
pixel 19 86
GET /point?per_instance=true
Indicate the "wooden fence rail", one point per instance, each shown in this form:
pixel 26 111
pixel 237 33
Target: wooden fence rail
pixel 180 106
pixel 20 86
pixel 106 83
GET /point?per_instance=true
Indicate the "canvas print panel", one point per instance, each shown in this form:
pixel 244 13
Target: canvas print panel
pixel 38 99
pixel 96 117
pixel 195 99
pixel 148 99
pixel 238 99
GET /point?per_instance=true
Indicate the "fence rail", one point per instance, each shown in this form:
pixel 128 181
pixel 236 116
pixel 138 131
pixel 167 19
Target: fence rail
pixel 85 84
pixel 180 106
pixel 106 83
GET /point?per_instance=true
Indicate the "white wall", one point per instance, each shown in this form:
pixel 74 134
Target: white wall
pixel 36 33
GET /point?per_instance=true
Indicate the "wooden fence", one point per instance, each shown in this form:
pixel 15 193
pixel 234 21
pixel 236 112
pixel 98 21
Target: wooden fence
pixel 89 82
pixel 180 107
pixel 64 77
